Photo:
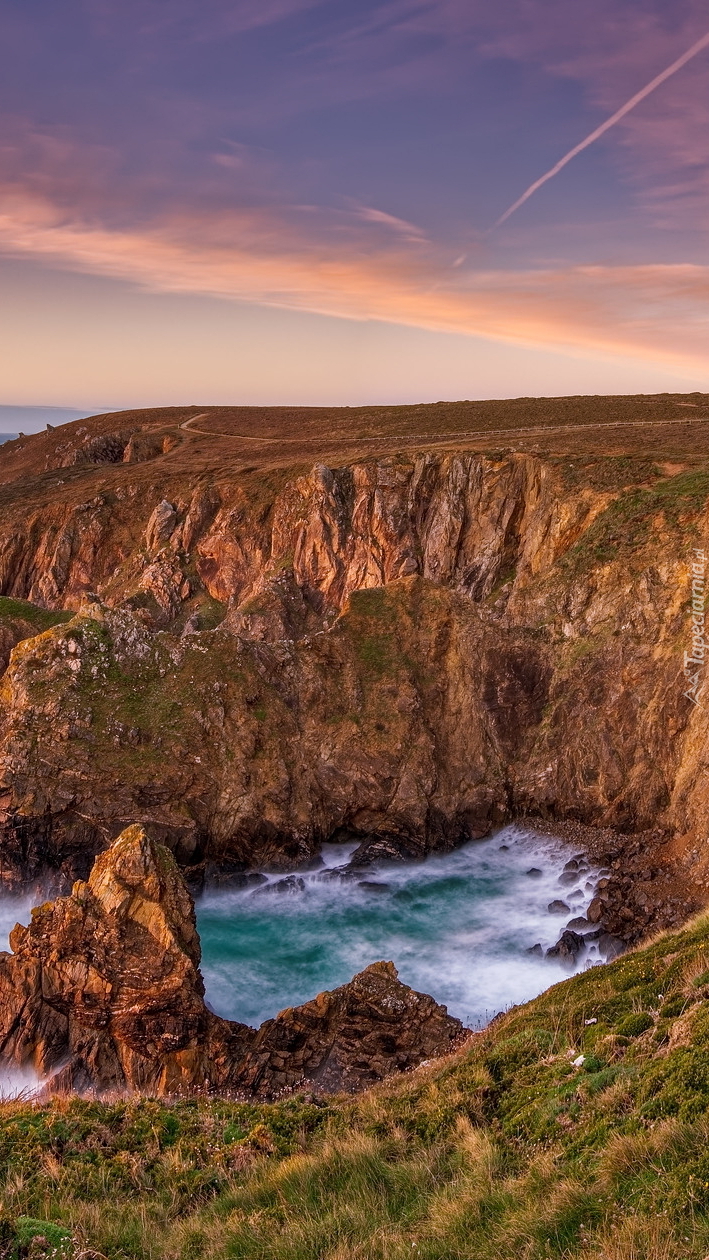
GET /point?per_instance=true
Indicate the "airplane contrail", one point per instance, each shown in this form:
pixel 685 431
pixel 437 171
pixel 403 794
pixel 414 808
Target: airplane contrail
pixel 610 122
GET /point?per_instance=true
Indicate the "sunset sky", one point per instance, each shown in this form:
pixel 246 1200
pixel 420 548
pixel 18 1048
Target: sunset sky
pixel 295 201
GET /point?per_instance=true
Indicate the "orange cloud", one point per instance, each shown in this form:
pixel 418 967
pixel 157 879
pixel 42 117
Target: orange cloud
pixel 655 312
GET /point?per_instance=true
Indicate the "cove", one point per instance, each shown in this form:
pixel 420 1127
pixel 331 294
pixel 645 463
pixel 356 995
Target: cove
pixel 456 926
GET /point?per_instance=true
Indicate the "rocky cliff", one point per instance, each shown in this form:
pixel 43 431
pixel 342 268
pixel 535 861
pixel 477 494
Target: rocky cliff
pixel 400 650
pixel 103 992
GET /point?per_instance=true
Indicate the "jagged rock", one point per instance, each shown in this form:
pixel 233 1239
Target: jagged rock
pixel 106 448
pixel 350 1037
pixel 277 610
pixel 103 988
pixel 165 581
pixel 160 526
pixel 558 907
pixel 103 992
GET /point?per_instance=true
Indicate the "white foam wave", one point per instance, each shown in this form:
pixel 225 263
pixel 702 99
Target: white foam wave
pixel 457 926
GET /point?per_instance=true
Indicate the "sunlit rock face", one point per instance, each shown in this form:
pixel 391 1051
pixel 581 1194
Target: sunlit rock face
pixel 411 650
pixel 103 993
pixel 103 988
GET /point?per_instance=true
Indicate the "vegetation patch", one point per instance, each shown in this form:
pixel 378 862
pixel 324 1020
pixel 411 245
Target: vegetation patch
pixel 40 619
pixel 606 473
pixel 631 520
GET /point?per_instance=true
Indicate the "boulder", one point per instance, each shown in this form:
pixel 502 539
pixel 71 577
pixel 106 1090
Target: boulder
pixel 568 947
pixel 103 993
pixel 610 947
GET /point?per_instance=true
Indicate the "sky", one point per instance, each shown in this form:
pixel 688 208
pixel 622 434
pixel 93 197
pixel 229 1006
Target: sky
pixel 293 201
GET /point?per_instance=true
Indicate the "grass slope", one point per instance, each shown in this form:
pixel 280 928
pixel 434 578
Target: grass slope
pixel 509 1148
pixel 23 612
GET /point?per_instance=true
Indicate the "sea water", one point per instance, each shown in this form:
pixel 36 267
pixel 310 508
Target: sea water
pixel 456 926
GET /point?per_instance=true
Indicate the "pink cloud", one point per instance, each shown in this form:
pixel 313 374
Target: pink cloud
pixel 268 257
pixel 407 230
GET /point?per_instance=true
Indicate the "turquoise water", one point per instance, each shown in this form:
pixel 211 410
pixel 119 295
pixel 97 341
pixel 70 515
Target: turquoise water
pixel 457 927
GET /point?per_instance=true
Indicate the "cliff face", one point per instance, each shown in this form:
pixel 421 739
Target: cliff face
pixel 412 650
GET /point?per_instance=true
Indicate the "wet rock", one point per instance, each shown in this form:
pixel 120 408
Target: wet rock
pixel 534 872
pixel 536 950
pixel 610 947
pixel 594 912
pixel 568 877
pixel 568 947
pixel 290 886
pixel 382 849
pixel 558 907
pixel 203 877
pixel 371 885
pixel 341 873
pixel 579 924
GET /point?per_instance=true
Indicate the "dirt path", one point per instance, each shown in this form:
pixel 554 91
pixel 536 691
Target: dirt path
pixel 539 430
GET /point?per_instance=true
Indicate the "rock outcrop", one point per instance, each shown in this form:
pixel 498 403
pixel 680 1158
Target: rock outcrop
pixel 103 988
pixel 348 1039
pixel 103 993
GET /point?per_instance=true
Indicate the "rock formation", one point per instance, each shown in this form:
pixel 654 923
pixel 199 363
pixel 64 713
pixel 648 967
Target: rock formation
pixel 402 650
pixel 350 1038
pixel 103 993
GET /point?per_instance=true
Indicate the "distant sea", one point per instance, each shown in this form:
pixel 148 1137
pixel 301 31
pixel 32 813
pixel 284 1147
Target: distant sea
pixel 15 420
